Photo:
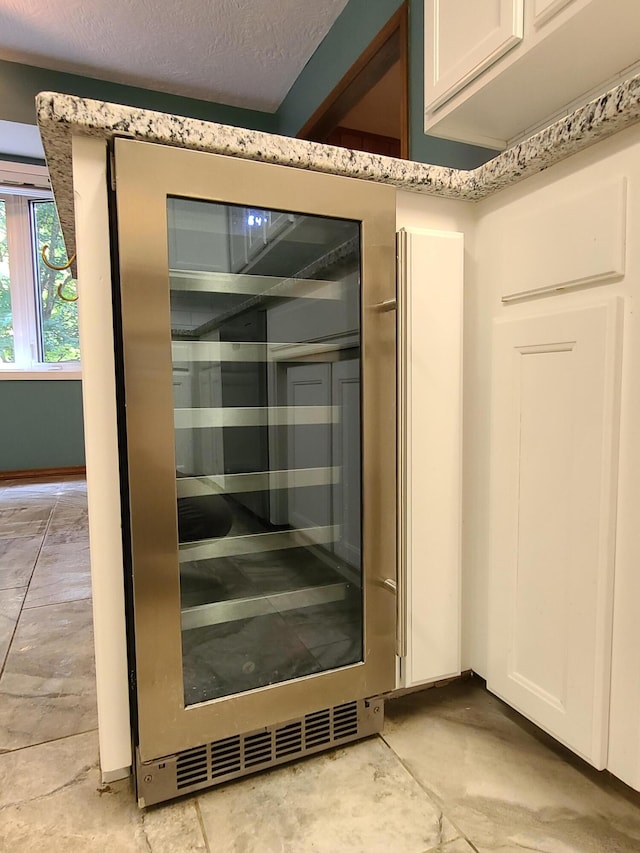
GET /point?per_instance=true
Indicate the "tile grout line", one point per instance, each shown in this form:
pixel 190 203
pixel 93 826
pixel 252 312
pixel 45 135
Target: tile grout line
pixel 22 607
pixel 55 603
pixel 45 742
pixel 201 823
pixel 430 794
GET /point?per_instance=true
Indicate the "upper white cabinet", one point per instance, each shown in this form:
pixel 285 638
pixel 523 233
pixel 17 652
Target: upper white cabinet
pixel 465 38
pixel 497 70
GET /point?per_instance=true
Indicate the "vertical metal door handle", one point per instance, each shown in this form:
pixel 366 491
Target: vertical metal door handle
pixel 401 506
pixel 386 305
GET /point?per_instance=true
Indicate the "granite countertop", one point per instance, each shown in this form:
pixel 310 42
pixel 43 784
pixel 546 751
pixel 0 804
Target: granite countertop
pixel 62 116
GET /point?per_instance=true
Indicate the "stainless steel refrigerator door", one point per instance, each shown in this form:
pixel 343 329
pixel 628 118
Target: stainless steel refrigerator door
pixel 234 408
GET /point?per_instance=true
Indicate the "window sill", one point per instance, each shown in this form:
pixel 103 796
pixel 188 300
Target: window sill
pixel 41 373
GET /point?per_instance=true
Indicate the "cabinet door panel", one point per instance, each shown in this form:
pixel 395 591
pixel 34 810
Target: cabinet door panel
pixel 431 292
pixel 544 10
pixel 462 38
pixel 554 466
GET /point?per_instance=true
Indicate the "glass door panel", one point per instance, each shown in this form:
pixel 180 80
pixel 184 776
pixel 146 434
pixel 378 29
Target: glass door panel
pixel 265 331
pixel 258 406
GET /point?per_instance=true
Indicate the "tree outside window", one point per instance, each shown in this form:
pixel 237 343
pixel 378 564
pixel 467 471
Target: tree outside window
pixel 38 328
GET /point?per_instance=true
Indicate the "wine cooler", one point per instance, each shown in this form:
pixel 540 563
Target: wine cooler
pixel 258 374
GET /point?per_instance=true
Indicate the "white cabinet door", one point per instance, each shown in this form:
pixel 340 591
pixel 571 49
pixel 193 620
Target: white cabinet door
pixel 462 38
pixel 555 423
pixel 430 466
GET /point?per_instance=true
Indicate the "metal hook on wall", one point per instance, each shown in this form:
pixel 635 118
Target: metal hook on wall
pixel 53 266
pixel 59 269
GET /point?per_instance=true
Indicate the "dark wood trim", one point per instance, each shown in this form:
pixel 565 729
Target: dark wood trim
pixel 389 46
pixel 70 471
pixel 376 142
pixel 404 73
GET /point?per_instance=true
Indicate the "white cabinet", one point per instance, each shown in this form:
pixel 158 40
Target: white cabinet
pixel 497 71
pixel 555 426
pixel 462 39
pixel 430 331
pixel 544 10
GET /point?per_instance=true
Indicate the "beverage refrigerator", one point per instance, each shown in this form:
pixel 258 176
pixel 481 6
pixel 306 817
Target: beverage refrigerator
pixel 256 354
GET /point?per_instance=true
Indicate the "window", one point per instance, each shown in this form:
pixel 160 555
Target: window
pixel 38 328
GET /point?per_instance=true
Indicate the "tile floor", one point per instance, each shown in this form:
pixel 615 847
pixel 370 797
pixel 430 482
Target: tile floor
pixel 456 771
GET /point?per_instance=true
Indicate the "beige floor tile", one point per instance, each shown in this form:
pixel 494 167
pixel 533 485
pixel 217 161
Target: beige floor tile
pixel 62 573
pixel 10 605
pixel 500 782
pixel 175 828
pixel 77 535
pixel 51 799
pixel 17 560
pixel 47 689
pixel 460 845
pixel 358 798
pixel 24 517
pixel 68 517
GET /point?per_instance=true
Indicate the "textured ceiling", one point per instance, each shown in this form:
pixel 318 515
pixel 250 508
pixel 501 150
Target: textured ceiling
pixel 241 52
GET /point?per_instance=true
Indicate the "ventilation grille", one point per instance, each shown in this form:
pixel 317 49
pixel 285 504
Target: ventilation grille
pixel 192 767
pixel 345 721
pixel 225 757
pixel 235 755
pixel 242 754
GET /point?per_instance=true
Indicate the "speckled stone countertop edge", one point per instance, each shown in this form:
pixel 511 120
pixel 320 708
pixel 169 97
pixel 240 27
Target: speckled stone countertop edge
pixel 62 116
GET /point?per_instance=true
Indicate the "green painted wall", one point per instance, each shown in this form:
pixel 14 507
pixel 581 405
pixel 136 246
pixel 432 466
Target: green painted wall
pixel 41 424
pixel 19 84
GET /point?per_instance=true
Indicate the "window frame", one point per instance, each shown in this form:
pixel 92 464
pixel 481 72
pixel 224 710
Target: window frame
pixel 19 186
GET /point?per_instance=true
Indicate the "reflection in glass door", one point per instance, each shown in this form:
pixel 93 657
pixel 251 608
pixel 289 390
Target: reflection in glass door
pixel 265 330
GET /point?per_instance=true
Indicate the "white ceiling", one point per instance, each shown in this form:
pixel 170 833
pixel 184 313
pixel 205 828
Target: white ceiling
pixel 241 52
pixel 21 139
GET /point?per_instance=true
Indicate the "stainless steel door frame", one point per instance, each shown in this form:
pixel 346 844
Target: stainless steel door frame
pixel 145 175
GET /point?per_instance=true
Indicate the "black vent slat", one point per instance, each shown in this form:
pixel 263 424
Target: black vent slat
pixel 322 737
pixel 223 770
pixel 191 767
pixel 289 739
pixel 317 728
pixel 192 753
pixel 191 778
pixel 258 749
pixel 193 762
pixel 225 756
pixel 345 720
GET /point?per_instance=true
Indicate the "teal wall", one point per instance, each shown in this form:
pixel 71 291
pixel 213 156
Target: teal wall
pixel 41 424
pixel 19 84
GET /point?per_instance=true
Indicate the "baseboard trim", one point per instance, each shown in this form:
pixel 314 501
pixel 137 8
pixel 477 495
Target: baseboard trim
pixel 108 776
pixel 45 473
